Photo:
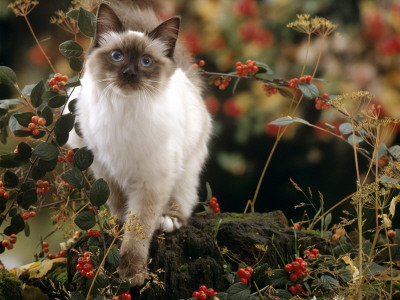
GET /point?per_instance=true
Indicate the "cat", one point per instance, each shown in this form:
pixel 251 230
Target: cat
pixel 140 111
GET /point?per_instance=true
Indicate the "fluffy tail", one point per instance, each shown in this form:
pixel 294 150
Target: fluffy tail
pixel 154 4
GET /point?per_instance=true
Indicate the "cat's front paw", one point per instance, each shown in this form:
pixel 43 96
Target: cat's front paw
pixel 169 223
pixel 133 269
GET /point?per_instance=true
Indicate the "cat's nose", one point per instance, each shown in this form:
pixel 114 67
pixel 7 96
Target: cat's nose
pixel 129 73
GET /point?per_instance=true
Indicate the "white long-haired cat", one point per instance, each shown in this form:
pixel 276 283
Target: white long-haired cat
pixel 141 113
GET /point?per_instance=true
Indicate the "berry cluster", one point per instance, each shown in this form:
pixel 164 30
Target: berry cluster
pixel 43 187
pixel 312 255
pixel 62 253
pixel 269 90
pixel 297 290
pixel 27 215
pixel 203 292
pixel 9 244
pixel 294 82
pixel 249 68
pixel 85 265
pixel 58 81
pixel 222 83
pixel 36 120
pixel 69 157
pixel 93 232
pixel 245 274
pixel 297 269
pixel 322 104
pixel 125 296
pixel 214 205
pixel 3 192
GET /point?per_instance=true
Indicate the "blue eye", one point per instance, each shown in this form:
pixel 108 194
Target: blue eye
pixel 146 61
pixel 117 55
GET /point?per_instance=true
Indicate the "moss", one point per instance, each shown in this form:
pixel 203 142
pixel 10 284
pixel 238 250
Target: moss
pixel 10 286
pixel 59 273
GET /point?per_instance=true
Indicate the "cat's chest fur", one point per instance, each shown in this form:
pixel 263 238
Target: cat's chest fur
pixel 140 131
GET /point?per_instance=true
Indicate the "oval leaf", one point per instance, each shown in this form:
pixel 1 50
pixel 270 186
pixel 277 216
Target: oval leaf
pixel 7 76
pixel 238 291
pixel 24 150
pixel 36 94
pixel 85 220
pixel 57 101
pixel 64 124
pixel 309 90
pixel 24 118
pixel 99 192
pixel 83 158
pixel 10 179
pixel 357 139
pixel 75 178
pixel 73 14
pixel 46 151
pixel 282 121
pixel 47 113
pixel 75 63
pixel 86 22
pixel 345 128
pixel 114 258
pixel 70 49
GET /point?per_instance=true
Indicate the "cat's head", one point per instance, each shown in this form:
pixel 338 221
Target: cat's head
pixel 129 60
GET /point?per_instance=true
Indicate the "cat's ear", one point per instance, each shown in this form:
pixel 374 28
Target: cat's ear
pixel 167 32
pixel 107 21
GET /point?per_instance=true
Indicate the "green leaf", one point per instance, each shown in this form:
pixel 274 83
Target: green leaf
pixel 75 178
pixel 22 133
pixel 75 63
pixel 381 151
pixel 76 295
pixel 3 111
pixel 395 150
pixel 100 283
pixel 70 49
pixel 47 165
pixel 238 291
pixel 73 14
pixel 28 89
pixel 114 258
pixel 121 287
pixel 73 84
pixel 221 296
pixel 62 139
pixel 309 90
pixel 285 92
pixel 85 220
pixel 13 123
pixel 72 105
pixel 86 22
pixel 12 160
pixel 38 173
pixel 10 179
pixel 328 220
pixel 24 150
pixel 282 121
pixel 47 113
pixel 24 118
pixel 29 197
pixel 209 191
pixel 36 94
pixel 264 66
pixel 345 128
pixel 18 223
pixel 99 192
pixel 278 277
pixel 41 134
pixel 357 139
pixel 83 158
pixel 7 76
pixel 27 229
pixel 47 95
pixel 57 101
pixel 46 151
pixel 64 124
pixel 328 283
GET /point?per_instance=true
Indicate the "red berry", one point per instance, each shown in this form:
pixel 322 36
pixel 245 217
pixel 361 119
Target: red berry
pixel 196 66
pixel 203 288
pixel 1 184
pixel 306 271
pixel 250 269
pixel 203 295
pixel 81 261
pixel 10 246
pixel 311 256
pixel 35 119
pixel 42 121
pixel 51 256
pixel 126 296
pixel 244 280
pixel 39 191
pixel 90 208
pixel 202 63
pixel 31 126
pixel 63 253
pixel 35 132
pixel 210 292
pixel 295 265
pixel 64 78
pixel 293 290
pixel 32 214
pixel 78 267
pixel 90 232
pixel 299 260
pixel 246 274
pixel 304 265
pixel 4 243
pixel 55 87
pixel 240 272
pixel 13 238
pixel 2 191
pixel 288 268
pixel 26 216
pixel 6 195
pixel 86 254
pixel 45 244
pixel 196 294
pixel 52 81
pixel 96 233
pixel 87 267
pixel 298 273
pixel 326 96
pixel 83 273
pixel 315 251
pixel 306 253
pixel 45 250
pixel 293 277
